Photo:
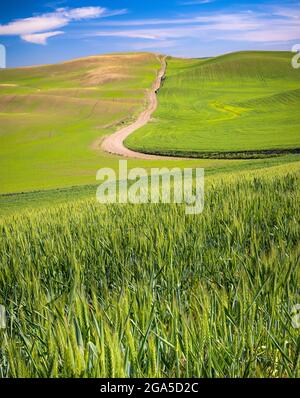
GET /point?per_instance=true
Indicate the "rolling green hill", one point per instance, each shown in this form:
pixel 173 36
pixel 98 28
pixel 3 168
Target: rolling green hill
pixel 145 291
pixel 51 115
pixel 123 290
pixel 245 102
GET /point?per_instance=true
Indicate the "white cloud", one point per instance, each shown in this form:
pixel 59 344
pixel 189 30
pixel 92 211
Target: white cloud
pixel 267 35
pixel 149 22
pixel 155 46
pixel 273 26
pixel 133 34
pixel 194 2
pixel 113 13
pixel 292 13
pixel 33 25
pixel 29 27
pixel 40 38
pixel 81 13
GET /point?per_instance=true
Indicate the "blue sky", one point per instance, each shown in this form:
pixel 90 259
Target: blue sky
pixel 38 31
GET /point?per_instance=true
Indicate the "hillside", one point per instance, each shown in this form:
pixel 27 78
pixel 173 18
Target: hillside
pixel 51 115
pixel 243 102
pixel 146 291
pixel 93 290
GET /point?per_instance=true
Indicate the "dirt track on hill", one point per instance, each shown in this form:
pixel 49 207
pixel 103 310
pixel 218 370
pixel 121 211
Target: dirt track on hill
pixel 114 144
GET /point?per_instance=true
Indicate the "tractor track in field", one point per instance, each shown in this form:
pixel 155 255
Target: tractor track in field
pixel 114 144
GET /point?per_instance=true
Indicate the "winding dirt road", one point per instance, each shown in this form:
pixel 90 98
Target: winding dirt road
pixel 114 144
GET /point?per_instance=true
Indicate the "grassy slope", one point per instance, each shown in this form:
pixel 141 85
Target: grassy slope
pixel 19 202
pixel 92 291
pixel 237 102
pixel 50 116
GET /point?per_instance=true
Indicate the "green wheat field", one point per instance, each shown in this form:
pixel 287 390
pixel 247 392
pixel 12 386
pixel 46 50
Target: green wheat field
pixel 127 290
pixel 237 105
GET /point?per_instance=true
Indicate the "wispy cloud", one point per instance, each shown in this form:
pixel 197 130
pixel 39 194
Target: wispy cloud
pixel 150 34
pixel 274 25
pixel 40 38
pixel 287 12
pixel 211 20
pixel 155 46
pixel 149 22
pixel 38 29
pixel 194 2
